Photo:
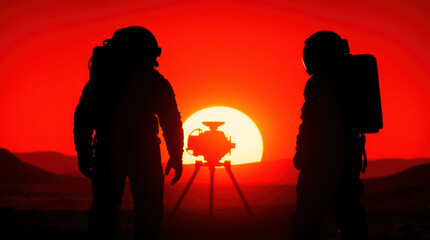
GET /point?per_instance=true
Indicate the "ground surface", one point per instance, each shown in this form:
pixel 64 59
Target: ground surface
pixel 401 214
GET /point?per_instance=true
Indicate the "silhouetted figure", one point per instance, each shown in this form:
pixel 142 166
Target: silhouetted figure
pixel 121 106
pixel 329 147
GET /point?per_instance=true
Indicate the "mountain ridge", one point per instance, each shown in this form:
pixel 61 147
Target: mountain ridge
pixel 16 171
pixel 279 171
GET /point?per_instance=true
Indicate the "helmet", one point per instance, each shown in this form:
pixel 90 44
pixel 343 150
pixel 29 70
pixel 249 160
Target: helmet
pixel 135 42
pixel 322 49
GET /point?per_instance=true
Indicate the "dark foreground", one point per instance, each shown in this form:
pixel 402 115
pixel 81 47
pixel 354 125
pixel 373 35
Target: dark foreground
pixel 268 223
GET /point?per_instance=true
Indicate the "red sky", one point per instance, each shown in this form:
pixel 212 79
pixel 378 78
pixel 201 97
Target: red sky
pixel 240 54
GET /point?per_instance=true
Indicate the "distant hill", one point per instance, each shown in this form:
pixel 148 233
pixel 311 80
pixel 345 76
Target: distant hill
pixel 15 171
pixel 386 167
pixel 416 176
pixel 283 171
pixel 266 172
pixel 270 182
pixel 51 161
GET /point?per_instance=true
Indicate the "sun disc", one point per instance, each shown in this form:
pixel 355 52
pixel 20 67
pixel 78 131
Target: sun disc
pixel 243 131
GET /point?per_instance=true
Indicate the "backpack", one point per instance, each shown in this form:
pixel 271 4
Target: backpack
pixel 364 98
pixel 363 93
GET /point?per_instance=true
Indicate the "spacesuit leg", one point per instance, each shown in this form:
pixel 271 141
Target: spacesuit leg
pixel 313 203
pixel 108 187
pixel 147 185
pixel 348 211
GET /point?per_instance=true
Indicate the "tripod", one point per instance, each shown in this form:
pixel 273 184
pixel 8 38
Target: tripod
pixel 211 165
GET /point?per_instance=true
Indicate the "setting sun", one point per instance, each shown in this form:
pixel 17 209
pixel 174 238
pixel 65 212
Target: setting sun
pixel 242 130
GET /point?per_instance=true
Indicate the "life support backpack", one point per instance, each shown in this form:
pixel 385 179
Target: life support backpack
pixel 364 97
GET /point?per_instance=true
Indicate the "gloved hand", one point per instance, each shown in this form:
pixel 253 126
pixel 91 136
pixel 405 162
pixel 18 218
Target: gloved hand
pixel 176 164
pixel 298 160
pixel 85 166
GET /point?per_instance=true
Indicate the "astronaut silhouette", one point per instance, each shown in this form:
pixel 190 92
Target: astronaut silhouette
pixel 329 147
pixel 116 125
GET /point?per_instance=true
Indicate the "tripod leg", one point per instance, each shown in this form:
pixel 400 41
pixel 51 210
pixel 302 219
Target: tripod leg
pixel 242 197
pixel 196 170
pixel 211 203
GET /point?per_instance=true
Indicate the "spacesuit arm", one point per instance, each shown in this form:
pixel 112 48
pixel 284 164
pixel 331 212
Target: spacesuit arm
pixel 300 157
pixel 170 122
pixel 304 137
pixel 83 129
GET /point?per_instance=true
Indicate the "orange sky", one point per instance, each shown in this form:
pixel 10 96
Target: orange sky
pixel 245 55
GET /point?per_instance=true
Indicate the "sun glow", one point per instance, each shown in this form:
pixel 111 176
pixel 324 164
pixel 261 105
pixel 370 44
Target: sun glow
pixel 243 132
